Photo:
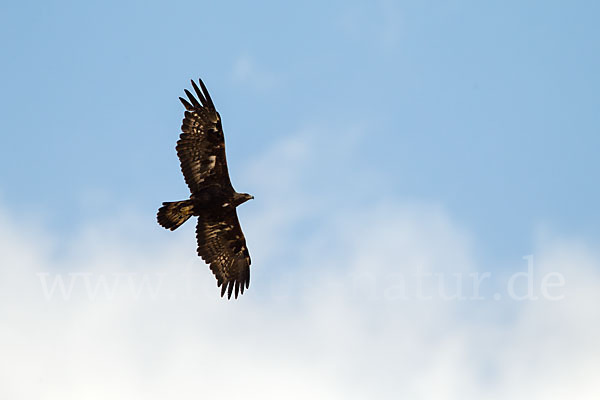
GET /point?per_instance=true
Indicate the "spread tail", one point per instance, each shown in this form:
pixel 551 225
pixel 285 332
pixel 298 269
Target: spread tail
pixel 173 214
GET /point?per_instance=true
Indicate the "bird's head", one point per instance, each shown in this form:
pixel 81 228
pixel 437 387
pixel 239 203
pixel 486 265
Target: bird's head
pixel 242 198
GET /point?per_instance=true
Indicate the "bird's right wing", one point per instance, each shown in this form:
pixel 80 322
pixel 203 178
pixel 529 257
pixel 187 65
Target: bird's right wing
pixel 222 245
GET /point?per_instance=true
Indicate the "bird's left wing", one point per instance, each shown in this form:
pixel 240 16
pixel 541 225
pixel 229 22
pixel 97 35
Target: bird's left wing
pixel 201 145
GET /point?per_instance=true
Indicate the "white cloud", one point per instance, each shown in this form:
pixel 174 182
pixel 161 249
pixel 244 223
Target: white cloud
pixel 383 28
pixel 248 71
pixel 322 318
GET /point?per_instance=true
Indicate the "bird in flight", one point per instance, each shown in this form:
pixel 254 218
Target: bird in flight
pixel 201 152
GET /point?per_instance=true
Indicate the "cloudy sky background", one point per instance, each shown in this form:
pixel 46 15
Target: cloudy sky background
pixel 398 152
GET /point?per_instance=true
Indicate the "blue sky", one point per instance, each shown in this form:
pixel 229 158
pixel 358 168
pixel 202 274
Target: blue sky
pixel 489 109
pixel 475 124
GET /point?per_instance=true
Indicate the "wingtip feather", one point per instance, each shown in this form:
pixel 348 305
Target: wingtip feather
pixel 237 288
pixel 185 103
pixel 229 290
pixel 199 93
pixel 206 94
pixel 192 98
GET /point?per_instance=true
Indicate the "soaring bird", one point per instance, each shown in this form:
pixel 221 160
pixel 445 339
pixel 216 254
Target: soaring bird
pixel 201 152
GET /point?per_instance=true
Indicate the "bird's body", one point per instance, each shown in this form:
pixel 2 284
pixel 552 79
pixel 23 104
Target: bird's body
pixel 201 151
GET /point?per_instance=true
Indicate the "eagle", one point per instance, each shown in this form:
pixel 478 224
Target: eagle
pixel 201 152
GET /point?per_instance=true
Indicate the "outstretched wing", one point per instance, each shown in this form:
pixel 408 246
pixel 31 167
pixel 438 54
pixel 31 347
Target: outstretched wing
pixel 221 244
pixel 201 145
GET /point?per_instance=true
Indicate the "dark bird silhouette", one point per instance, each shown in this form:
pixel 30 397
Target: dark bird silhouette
pixel 201 152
